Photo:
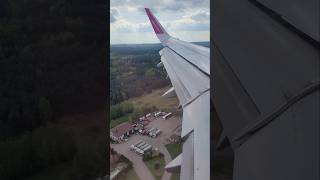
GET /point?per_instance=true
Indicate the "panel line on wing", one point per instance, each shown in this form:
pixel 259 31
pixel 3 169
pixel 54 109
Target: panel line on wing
pixel 178 86
pixel 189 61
pixel 182 43
pixel 187 93
pixel 193 99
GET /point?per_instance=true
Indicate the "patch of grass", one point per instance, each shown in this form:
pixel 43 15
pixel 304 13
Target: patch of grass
pixel 174 149
pixel 175 176
pixel 119 120
pixel 157 173
pixel 148 100
pixel 154 99
pixel 131 175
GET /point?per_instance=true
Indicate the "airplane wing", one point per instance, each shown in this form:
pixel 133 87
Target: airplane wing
pixel 188 67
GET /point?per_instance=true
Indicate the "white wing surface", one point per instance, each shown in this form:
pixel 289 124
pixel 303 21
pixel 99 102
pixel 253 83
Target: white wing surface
pixel 188 67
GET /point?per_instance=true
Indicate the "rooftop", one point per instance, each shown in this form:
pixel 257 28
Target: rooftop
pixel 121 129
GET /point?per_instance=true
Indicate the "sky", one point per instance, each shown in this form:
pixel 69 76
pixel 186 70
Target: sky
pixel 187 20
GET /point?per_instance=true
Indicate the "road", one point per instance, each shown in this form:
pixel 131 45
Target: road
pixel 138 165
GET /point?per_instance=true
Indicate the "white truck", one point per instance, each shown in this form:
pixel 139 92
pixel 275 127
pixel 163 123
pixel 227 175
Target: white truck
pixel 142 147
pixel 137 148
pixel 150 131
pixel 154 133
pixel 148 148
pixel 157 132
pixel 140 152
pixel 132 147
pixel 137 143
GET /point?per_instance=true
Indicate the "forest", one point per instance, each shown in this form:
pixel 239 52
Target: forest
pixel 133 71
pixel 53 57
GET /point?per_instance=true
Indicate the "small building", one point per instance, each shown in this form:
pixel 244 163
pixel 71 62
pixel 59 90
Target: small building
pixel 118 133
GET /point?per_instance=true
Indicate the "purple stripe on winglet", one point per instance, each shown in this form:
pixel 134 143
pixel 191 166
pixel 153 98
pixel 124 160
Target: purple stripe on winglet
pixel 156 26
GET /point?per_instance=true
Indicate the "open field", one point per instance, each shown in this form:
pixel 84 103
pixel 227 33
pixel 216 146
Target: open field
pixel 131 175
pixel 119 120
pixel 175 176
pixel 154 99
pixel 151 165
pixel 174 149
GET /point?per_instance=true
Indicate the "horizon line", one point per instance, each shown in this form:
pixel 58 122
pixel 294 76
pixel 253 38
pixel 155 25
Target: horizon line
pixel 152 43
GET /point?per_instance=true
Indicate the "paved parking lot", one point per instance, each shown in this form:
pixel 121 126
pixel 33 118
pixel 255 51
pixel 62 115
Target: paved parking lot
pixel 168 127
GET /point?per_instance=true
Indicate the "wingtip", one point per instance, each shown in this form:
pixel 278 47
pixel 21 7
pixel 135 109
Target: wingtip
pixel 155 24
pixel 147 10
pixel 158 29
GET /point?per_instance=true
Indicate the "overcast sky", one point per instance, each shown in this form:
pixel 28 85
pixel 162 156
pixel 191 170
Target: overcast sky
pixel 188 20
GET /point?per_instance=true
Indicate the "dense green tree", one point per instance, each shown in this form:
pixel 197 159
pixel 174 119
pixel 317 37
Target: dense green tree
pixel 137 113
pixel 133 71
pixel 127 107
pixel 121 109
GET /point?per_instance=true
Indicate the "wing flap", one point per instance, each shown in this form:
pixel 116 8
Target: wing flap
pixel 196 120
pixel 187 159
pixel 174 165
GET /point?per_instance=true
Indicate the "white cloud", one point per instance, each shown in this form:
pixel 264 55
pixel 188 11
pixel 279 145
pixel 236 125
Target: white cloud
pixel 175 15
pixel 201 16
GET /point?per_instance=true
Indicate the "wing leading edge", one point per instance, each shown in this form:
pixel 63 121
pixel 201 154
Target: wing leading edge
pixel 188 67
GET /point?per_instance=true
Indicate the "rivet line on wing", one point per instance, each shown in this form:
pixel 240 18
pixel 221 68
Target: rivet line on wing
pixel 196 97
